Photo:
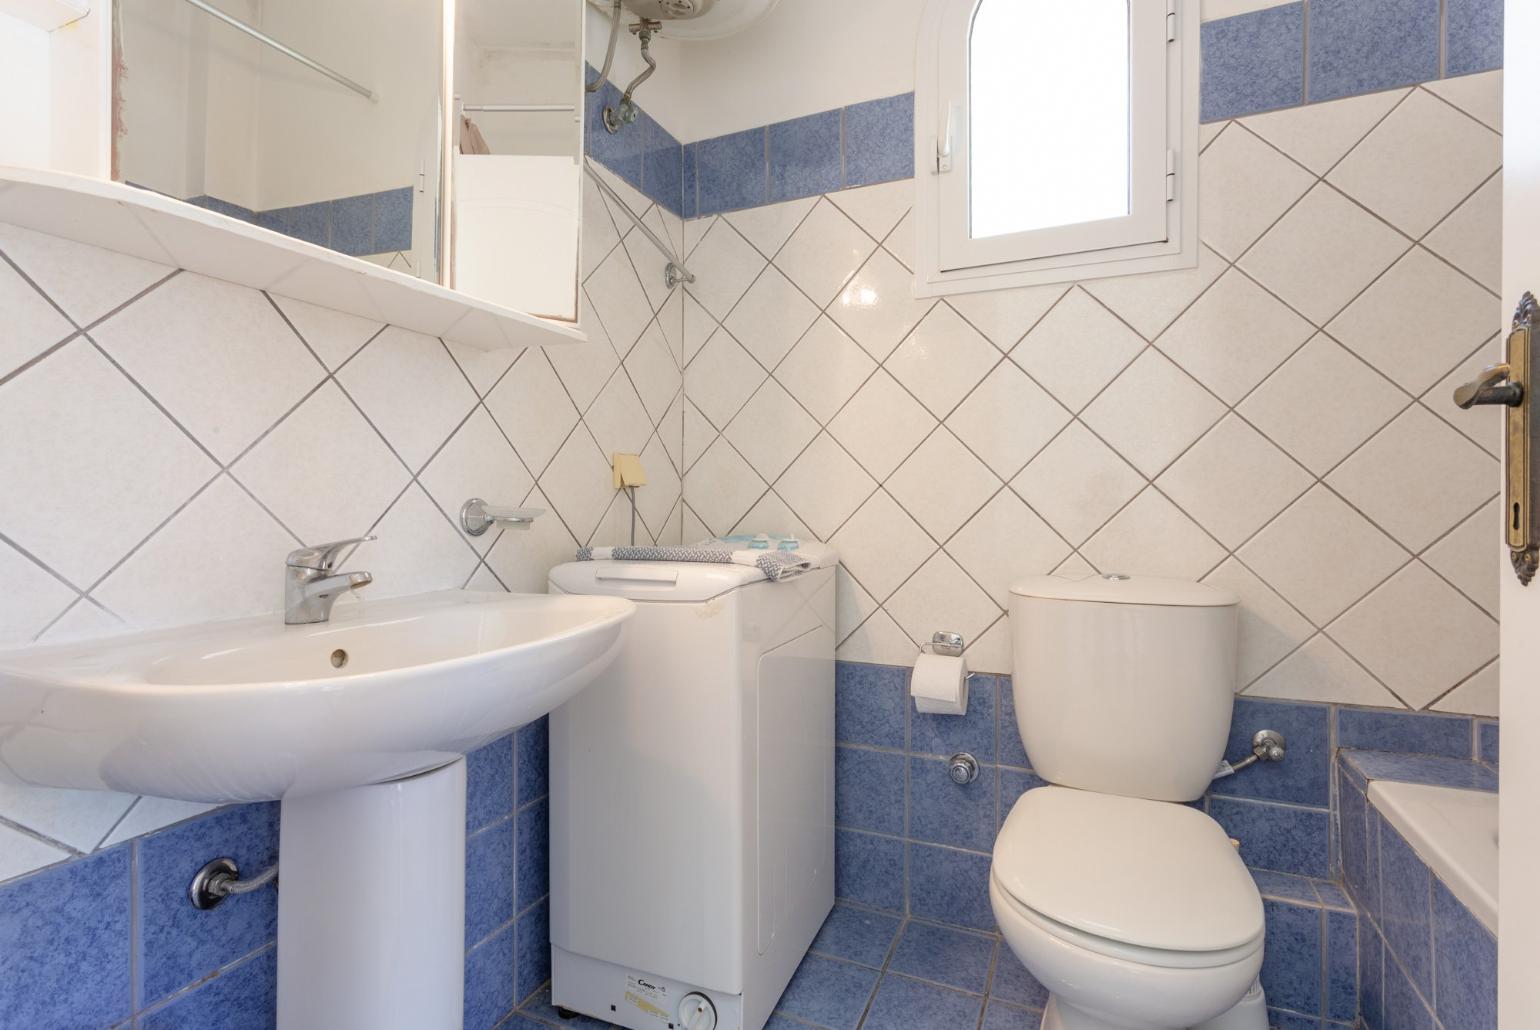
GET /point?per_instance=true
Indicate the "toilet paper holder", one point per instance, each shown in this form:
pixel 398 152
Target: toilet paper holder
pixel 945 642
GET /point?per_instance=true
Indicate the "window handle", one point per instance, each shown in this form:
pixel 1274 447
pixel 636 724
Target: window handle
pixel 944 144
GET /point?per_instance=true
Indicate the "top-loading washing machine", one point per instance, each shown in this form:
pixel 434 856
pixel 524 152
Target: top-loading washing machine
pixel 692 796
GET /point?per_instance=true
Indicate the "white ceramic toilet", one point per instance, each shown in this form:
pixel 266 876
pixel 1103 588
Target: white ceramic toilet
pixel 1133 909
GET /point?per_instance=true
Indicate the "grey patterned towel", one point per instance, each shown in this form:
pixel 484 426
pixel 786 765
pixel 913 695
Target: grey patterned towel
pixel 776 565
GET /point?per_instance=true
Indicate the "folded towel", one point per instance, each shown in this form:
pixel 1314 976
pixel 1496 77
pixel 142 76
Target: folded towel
pixel 776 565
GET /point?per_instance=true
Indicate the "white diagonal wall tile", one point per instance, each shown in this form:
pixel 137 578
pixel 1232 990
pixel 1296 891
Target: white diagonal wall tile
pixel 188 569
pixel 881 545
pixel 1077 483
pixel 824 252
pixel 1322 404
pixel 1270 628
pixel 86 282
pixel 882 425
pixel 876 308
pixel 1243 186
pixel 771 317
pixel 219 357
pixel 1323 253
pixel 942 360
pixel 1233 481
pixel 81 439
pixel 942 484
pixel 1152 301
pixel 824 370
pixel 199 358
pixel 769 227
pixel 1155 538
pixel 1077 349
pixel 1152 413
pixel 1319 135
pixel 411 390
pixel 1418 163
pixel 1233 336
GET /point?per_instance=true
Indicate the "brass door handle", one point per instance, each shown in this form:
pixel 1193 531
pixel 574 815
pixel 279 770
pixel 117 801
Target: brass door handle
pixel 1491 387
pixel 1508 384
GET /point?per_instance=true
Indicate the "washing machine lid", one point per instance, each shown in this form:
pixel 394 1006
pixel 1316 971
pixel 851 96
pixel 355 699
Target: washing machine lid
pixel 1115 588
pixel 1153 874
pixel 673 581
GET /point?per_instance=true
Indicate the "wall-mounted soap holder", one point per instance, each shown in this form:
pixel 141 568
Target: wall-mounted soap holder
pixel 477 516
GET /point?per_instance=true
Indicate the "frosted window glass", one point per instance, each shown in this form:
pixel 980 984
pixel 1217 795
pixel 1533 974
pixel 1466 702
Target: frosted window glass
pixel 1049 118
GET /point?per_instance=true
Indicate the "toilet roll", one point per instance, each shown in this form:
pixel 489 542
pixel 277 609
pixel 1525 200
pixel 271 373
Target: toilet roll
pixel 939 685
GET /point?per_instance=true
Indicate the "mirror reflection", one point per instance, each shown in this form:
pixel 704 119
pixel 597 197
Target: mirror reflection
pixel 517 151
pixel 328 121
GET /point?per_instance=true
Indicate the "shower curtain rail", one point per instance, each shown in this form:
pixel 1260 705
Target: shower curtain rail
pixel 287 51
pixel 517 108
pixel 676 272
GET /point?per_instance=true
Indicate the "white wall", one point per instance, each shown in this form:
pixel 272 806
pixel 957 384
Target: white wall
pixel 320 140
pixel 820 55
pixel 662 95
pixel 24 115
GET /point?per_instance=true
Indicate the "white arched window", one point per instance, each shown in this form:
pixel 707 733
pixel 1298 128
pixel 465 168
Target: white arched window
pixel 1055 140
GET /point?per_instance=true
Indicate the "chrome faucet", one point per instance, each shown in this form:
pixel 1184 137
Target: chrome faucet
pixel 311 587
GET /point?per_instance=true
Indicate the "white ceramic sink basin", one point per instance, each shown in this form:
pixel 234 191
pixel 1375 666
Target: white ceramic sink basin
pixel 255 710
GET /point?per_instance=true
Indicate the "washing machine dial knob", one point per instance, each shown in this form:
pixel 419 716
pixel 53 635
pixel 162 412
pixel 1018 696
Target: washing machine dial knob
pixel 697 1013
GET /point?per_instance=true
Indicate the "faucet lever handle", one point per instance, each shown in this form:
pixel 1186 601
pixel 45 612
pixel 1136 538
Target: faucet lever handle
pixel 323 557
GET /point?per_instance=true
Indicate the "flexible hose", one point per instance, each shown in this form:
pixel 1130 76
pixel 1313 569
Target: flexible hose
pixel 609 54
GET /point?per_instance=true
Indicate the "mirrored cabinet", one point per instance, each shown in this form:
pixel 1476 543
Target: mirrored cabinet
pixel 442 140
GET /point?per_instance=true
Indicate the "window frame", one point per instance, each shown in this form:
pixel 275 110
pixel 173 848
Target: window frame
pixel 1157 235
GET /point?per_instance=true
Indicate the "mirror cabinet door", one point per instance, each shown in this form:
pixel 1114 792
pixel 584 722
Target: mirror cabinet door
pixel 353 124
pixel 516 152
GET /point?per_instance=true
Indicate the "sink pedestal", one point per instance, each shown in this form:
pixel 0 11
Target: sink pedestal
pixel 371 906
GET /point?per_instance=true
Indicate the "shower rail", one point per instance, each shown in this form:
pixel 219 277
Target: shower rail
pixel 517 108
pixel 288 51
pixel 675 272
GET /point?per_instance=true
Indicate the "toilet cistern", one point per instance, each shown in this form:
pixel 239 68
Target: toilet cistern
pixel 310 585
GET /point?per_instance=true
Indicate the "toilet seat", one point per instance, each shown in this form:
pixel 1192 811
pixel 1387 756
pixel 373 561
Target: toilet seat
pixel 1153 882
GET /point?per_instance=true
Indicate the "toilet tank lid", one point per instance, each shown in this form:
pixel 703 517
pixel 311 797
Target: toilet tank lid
pixel 1113 588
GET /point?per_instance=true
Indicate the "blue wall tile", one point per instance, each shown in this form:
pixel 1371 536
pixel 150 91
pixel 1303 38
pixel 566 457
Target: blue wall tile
pixel 1281 837
pixel 828 993
pixel 65 938
pixel 620 152
pixel 242 998
pixel 1291 956
pixel 533 849
pixel 973 732
pixel 950 886
pixel 903 1004
pixel 393 220
pixel 730 171
pixel 805 156
pixel 1341 949
pixel 532 962
pixel 857 935
pixel 1353 820
pixel 1371 990
pixel 1465 960
pixel 1304 778
pixel 352 220
pixel 1404 1009
pixel 1406 886
pixel 1285 886
pixel 1253 62
pixel 1012 750
pixel 1410 732
pixel 1487 742
pixel 179 944
pixel 691 195
pixel 1431 769
pixel 955 958
pixel 1359 46
pixel 870 704
pixel 879 140
pixel 488 881
pixel 662 169
pixel 488 784
pixel 1474 36
pixel 869 869
pixel 489 982
pixel 533 748
pixel 943 812
pixel 1013 784
pixel 869 790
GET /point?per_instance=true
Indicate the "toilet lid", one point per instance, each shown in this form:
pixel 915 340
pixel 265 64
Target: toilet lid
pixel 1153 874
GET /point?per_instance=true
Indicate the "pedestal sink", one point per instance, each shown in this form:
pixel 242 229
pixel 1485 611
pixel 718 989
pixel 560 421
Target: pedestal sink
pixel 359 726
